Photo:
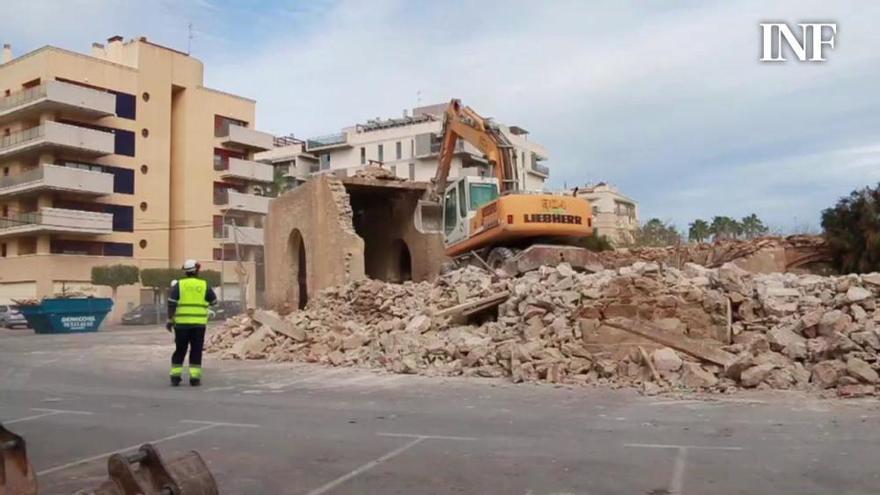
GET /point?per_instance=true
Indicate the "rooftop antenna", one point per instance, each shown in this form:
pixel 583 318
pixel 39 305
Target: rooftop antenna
pixel 189 37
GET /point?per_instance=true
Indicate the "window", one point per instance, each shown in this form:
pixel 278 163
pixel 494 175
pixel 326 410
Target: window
pixel 5 171
pixel 482 194
pixel 3 250
pixel 412 171
pixel 398 151
pixel 363 155
pixel 380 154
pixel 145 96
pixel 126 105
pixel 450 219
pixel 325 161
pixel 462 201
pixel 5 211
pixel 145 132
pixel 143 243
pixel 143 206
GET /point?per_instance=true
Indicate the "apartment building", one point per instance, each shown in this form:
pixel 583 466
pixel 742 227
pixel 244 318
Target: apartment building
pixel 409 146
pixel 615 215
pixel 123 156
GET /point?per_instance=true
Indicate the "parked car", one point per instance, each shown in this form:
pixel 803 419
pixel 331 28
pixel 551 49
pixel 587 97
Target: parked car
pixel 10 317
pixel 145 314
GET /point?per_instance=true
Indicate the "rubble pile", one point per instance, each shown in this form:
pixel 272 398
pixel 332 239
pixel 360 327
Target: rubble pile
pixel 764 254
pixel 729 328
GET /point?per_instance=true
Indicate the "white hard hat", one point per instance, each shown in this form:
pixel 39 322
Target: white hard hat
pixel 190 265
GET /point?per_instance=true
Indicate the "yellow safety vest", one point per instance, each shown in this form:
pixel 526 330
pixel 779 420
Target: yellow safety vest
pixel 192 308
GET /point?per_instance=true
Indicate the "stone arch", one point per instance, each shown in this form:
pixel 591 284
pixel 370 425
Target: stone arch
pixel 400 262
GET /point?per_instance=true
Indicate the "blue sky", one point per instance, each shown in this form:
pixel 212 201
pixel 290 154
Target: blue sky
pixel 665 100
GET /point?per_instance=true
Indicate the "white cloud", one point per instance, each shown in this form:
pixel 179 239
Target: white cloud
pixel 670 103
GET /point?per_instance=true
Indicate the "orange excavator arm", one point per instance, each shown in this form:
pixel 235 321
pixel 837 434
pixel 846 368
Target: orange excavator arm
pixel 461 122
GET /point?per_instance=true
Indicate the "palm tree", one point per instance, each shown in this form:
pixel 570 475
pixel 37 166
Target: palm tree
pixel 698 230
pixel 753 226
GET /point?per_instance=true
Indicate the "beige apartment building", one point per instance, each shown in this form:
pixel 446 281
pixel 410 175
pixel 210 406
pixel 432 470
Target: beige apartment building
pixel 615 215
pixel 123 156
pixel 409 146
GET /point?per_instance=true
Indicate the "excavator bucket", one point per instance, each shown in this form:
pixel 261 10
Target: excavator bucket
pixel 184 475
pixel 428 218
pixel 16 473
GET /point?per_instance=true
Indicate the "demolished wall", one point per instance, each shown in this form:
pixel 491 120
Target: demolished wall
pixel 332 231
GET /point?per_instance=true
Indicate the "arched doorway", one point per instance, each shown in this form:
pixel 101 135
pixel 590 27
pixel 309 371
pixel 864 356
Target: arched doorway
pixel 400 262
pixel 299 288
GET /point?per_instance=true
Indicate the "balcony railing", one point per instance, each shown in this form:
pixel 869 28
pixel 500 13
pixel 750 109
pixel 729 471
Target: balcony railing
pixel 60 95
pixel 236 201
pixel 60 178
pixel 57 220
pixel 22 97
pixel 327 141
pixel 56 134
pixel 240 136
pixel 247 170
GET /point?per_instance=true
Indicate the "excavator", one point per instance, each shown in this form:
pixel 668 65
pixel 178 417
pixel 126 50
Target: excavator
pixel 489 220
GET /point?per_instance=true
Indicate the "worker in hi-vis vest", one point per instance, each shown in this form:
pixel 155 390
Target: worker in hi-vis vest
pixel 188 316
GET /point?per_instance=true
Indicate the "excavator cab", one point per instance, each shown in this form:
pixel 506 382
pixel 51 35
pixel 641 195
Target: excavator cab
pixel 462 198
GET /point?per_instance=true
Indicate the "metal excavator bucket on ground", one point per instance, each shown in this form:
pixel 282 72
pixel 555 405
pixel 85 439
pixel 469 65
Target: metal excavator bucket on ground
pixel 184 475
pixel 16 473
pixel 141 473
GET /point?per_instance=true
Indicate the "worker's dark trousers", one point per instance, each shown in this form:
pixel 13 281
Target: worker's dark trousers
pixel 191 336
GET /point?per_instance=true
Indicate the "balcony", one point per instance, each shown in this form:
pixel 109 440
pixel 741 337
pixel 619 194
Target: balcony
pixel 237 168
pixel 58 178
pixel 57 221
pixel 236 201
pixel 428 146
pixel 242 137
pixel 330 141
pixel 57 96
pixel 247 236
pixel 55 135
pixel 536 168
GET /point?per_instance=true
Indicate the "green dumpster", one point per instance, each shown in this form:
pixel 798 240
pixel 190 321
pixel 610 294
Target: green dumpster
pixel 67 315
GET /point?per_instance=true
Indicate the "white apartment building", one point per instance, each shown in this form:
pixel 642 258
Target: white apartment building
pixel 408 146
pixel 615 215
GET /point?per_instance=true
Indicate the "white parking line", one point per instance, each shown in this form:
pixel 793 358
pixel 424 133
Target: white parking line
pixel 366 467
pixel 220 423
pixel 433 437
pixel 674 446
pixel 676 482
pixel 124 449
pixel 46 413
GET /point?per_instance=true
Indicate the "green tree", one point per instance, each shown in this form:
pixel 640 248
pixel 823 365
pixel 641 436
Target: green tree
pixel 753 227
pixel 698 230
pixel 852 230
pixel 211 276
pixel 723 228
pixel 115 276
pixel 657 233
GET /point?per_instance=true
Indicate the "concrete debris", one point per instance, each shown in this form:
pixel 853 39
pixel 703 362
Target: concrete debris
pixel 646 325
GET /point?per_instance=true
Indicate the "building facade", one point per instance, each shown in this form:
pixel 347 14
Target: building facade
pixel 615 216
pixel 122 156
pixel 408 146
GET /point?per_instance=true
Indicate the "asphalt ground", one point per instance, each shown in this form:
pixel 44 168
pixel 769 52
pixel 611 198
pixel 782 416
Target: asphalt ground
pixel 267 428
